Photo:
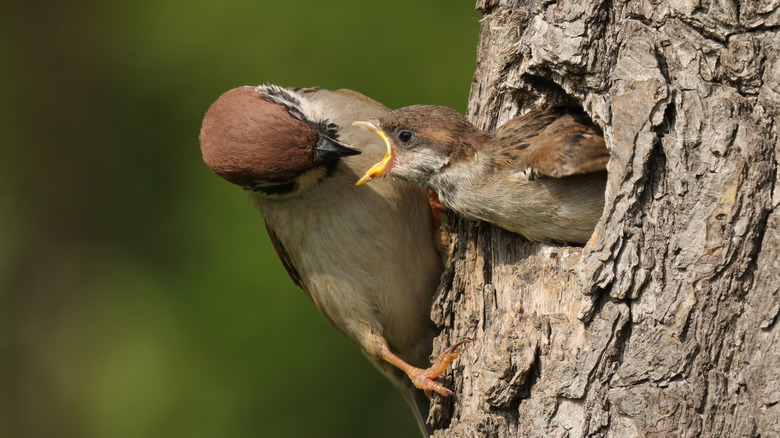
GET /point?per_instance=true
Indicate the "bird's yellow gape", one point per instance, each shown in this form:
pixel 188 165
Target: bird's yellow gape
pixel 381 167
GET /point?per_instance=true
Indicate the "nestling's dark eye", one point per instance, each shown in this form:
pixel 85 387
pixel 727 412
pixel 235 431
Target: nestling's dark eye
pixel 405 136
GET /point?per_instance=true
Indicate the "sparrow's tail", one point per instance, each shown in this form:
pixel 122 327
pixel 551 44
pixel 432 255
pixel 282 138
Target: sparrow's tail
pixel 417 400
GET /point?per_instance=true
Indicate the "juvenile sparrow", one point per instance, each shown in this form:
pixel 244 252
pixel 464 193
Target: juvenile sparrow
pixel 541 175
pixel 366 258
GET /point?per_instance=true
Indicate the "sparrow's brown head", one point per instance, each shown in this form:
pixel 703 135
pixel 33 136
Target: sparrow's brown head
pixel 421 140
pixel 261 139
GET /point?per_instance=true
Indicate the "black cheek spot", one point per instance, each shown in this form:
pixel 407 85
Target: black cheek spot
pixel 273 189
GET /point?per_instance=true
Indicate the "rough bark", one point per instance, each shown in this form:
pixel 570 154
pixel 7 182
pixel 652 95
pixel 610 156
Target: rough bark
pixel 665 324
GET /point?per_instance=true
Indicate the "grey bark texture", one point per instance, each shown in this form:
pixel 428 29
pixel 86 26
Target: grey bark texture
pixel 665 323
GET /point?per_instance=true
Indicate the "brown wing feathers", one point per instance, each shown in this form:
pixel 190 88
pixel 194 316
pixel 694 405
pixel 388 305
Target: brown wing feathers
pixel 284 256
pixel 553 144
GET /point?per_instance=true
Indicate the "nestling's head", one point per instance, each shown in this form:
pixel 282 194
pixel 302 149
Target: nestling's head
pixel 421 141
pixel 263 140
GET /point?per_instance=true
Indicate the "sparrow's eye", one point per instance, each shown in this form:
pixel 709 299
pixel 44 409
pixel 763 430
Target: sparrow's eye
pixel 405 136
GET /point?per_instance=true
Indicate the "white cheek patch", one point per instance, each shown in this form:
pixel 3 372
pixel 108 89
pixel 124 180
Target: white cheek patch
pixel 311 177
pixel 419 165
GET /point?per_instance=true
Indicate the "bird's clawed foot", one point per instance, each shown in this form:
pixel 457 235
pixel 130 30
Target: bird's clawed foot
pixel 423 378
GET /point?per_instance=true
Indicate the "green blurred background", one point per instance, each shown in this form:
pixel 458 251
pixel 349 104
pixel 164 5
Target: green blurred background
pixel 139 294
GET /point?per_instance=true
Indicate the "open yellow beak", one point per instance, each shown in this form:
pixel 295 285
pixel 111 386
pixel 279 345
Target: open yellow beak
pixel 379 168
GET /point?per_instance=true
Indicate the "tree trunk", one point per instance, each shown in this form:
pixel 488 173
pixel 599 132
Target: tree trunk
pixel 665 324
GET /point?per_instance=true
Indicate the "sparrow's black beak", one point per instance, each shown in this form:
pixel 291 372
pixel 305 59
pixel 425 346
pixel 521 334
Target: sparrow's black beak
pixel 328 149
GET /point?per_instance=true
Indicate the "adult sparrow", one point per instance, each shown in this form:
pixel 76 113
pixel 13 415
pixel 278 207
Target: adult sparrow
pixel 541 175
pixel 366 258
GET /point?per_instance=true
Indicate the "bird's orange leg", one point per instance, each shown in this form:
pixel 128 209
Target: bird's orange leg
pixel 441 233
pixel 423 378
